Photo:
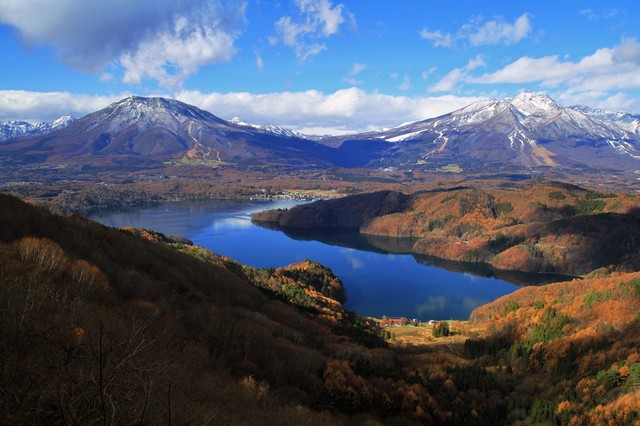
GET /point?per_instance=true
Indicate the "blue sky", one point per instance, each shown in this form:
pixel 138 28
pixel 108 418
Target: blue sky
pixel 320 66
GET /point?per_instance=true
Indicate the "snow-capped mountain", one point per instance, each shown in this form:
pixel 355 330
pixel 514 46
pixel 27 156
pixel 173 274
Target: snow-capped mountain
pixel 276 130
pixel 12 129
pixel 529 130
pixel 624 120
pixel 141 130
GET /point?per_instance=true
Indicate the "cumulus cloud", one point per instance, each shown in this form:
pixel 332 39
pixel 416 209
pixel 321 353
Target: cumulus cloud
pixel 592 79
pixel 480 32
pixel 163 40
pixel 317 20
pixel 344 111
pixel 606 69
pixel 313 112
pixel 46 106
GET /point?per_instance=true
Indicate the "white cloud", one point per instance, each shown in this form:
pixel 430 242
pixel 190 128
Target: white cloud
pixel 317 20
pixel 177 53
pixel 106 77
pixel 479 32
pixel 597 99
pixel 425 74
pixel 606 69
pixel 357 69
pixel 314 112
pixel 589 14
pixel 437 37
pixel 592 79
pixel 406 83
pixel 344 111
pixel 451 80
pixel 593 16
pixel 476 62
pixel 163 40
pixel 497 31
pixel 259 63
pixel 46 106
pixel 350 78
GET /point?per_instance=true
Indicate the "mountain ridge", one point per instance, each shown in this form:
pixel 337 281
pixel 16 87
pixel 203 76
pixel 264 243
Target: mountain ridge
pixel 155 130
pixel 15 128
pixel 530 131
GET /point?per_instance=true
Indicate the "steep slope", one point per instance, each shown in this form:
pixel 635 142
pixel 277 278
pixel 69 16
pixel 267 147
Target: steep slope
pixel 572 347
pixel 157 130
pixel 529 131
pixel 129 327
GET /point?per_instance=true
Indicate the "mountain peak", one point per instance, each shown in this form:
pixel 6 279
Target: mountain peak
pixel 534 103
pixel 238 121
pixel 143 111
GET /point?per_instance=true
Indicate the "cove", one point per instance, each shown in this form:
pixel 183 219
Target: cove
pixel 379 276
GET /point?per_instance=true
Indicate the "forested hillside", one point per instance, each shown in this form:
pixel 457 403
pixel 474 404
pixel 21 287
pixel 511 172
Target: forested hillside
pixel 102 325
pixel 528 227
pixel 572 347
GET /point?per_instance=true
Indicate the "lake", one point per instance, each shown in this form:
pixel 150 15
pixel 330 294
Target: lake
pixel 379 277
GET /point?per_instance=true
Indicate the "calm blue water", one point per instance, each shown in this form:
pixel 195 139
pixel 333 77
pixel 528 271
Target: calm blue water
pixel 377 283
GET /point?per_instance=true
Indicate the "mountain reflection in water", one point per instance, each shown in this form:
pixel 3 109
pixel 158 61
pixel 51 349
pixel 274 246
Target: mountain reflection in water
pixel 379 274
pixel 391 245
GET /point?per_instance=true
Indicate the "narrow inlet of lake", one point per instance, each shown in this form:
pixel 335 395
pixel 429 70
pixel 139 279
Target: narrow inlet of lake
pixel 377 281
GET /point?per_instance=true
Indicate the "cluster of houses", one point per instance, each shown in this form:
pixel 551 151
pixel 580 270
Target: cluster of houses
pixel 402 321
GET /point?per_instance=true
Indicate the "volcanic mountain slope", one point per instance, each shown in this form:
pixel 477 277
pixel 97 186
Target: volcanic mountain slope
pixel 139 129
pixel 530 131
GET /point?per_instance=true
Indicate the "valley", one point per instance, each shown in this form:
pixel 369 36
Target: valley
pixel 161 313
pixel 189 333
pixel 320 213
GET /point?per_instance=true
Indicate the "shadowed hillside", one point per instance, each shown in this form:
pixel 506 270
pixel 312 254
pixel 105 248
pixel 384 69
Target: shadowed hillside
pixel 529 227
pixel 131 326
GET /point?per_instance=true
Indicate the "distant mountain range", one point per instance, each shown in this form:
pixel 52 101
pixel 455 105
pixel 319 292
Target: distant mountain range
pixel 276 130
pixel 524 132
pixel 528 131
pixel 12 129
